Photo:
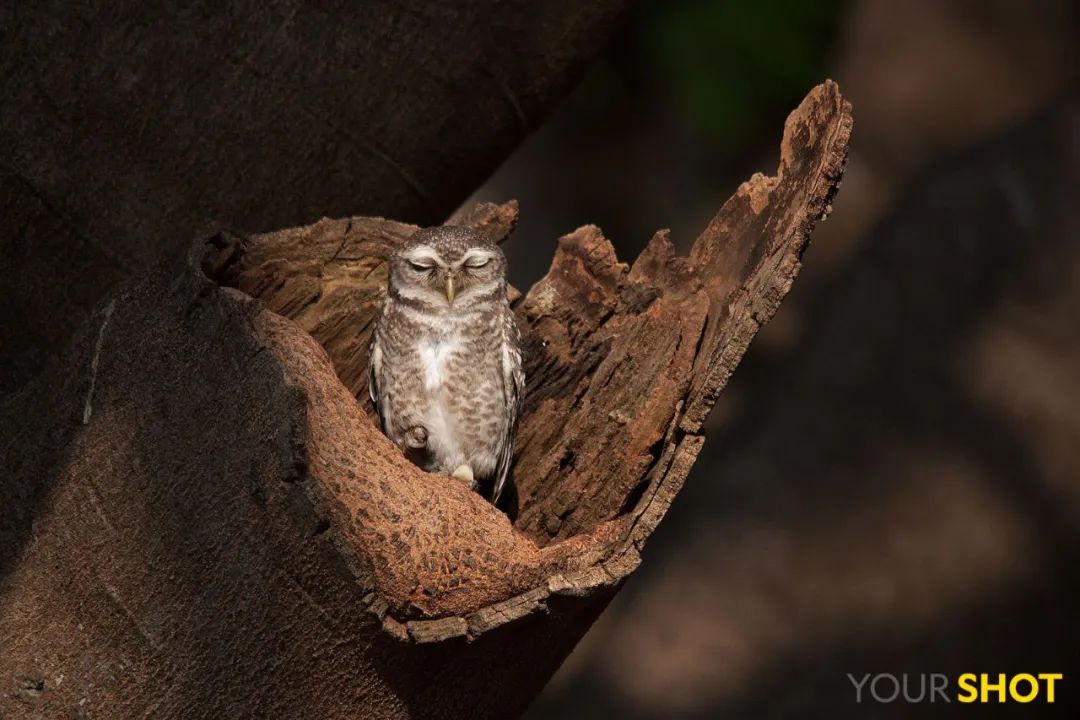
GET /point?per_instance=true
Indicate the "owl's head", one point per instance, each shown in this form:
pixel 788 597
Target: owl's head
pixel 448 266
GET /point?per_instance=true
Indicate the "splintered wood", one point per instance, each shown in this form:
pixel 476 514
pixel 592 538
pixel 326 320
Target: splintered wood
pixel 624 362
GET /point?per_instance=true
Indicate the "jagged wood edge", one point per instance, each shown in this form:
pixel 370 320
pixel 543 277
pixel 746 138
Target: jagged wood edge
pixel 753 307
pixel 757 300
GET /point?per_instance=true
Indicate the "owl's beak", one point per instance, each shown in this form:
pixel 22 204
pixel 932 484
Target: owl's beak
pixel 450 288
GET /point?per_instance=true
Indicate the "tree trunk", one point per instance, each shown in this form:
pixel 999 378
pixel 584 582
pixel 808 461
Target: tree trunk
pixel 206 523
pixel 127 127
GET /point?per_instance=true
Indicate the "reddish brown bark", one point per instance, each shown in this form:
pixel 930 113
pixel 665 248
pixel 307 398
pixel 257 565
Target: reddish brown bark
pixel 229 533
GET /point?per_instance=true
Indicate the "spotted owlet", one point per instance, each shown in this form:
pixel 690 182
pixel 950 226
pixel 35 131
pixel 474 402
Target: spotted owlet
pixel 445 373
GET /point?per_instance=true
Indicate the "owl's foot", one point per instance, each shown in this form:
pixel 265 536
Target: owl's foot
pixel 416 437
pixel 465 473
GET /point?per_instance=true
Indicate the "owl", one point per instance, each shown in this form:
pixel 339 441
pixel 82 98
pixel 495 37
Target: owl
pixel 445 371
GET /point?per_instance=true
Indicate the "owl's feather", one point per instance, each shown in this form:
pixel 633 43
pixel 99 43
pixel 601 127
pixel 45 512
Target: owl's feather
pixel 513 383
pixel 374 371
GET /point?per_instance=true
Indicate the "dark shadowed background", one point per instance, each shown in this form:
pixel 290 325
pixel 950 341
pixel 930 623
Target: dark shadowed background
pixel 892 480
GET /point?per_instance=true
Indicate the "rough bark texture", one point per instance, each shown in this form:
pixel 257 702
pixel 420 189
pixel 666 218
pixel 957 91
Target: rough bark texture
pixel 128 127
pixel 207 523
pixel 897 487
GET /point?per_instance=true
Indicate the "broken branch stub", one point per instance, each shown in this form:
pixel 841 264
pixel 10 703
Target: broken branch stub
pixel 236 531
pixel 623 365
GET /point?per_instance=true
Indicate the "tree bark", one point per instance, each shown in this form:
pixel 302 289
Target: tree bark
pixel 208 524
pixel 127 127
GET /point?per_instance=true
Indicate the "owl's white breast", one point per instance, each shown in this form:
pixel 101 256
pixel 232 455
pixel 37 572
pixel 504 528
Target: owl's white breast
pixel 444 441
pixel 433 361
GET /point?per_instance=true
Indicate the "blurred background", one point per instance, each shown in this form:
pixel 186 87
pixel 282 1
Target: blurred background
pixel 891 482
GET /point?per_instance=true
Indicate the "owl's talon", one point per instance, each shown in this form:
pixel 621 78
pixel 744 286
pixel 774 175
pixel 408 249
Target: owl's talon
pixel 465 473
pixel 416 437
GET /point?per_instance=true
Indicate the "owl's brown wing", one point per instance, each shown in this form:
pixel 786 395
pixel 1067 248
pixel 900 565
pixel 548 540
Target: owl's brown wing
pixel 513 382
pixel 375 356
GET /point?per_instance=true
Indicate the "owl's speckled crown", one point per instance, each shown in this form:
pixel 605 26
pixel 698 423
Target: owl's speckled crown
pixel 450 241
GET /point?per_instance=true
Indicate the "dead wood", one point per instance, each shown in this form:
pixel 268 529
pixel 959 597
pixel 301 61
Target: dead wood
pixel 234 533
